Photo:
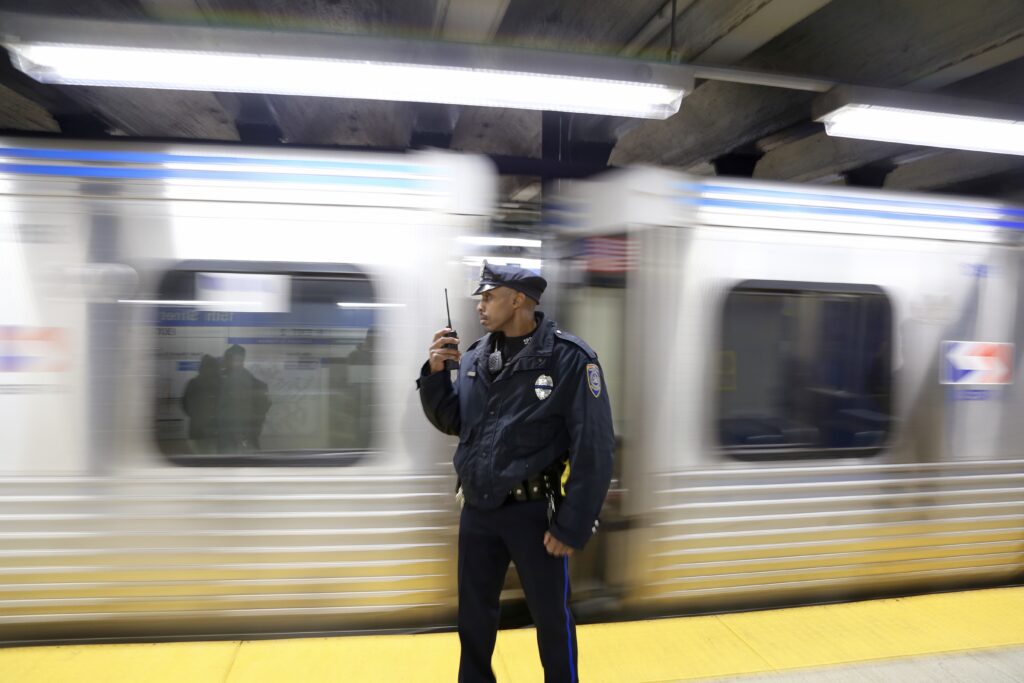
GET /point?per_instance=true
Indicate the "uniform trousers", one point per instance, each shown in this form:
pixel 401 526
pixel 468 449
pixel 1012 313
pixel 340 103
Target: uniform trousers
pixel 488 540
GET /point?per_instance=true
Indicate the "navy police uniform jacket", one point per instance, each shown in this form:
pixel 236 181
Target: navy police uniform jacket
pixel 508 433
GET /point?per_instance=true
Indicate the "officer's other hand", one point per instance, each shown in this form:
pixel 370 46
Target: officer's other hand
pixel 439 355
pixel 556 547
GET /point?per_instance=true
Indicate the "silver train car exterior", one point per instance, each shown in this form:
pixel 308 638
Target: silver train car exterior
pixel 816 394
pixel 775 357
pixel 141 494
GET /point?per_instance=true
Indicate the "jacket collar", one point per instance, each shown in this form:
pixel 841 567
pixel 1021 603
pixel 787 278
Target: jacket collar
pixel 541 344
pixel 543 340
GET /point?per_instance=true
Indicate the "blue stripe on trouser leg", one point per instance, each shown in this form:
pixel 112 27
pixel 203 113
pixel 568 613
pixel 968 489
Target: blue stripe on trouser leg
pixel 544 580
pixel 568 620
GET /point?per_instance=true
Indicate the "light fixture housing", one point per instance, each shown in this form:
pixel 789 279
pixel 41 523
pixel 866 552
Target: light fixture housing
pixel 206 58
pixel 921 119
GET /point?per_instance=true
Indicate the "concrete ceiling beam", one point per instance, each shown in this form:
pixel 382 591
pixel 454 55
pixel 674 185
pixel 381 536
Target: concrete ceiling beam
pixel 951 168
pixel 473 21
pixel 751 29
pixel 723 32
pixel 703 26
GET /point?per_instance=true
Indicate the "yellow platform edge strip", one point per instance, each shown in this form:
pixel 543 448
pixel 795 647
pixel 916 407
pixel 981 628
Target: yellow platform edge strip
pixel 657 650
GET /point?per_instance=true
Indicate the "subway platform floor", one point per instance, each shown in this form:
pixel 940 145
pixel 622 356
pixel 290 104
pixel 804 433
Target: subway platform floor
pixel 965 636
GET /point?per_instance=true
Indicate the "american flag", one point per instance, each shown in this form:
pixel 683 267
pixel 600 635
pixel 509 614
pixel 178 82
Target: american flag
pixel 608 254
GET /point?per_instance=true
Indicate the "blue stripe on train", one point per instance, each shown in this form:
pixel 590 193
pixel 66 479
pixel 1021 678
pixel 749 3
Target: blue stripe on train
pixel 855 213
pixel 849 199
pixel 164 173
pixel 164 158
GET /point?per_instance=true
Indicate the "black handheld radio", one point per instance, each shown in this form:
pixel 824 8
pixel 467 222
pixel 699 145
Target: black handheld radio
pixel 450 364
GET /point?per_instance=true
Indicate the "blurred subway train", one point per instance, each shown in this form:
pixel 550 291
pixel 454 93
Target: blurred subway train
pixel 210 426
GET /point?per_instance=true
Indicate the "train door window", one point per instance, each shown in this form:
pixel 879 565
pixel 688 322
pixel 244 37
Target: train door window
pixel 805 371
pixel 271 365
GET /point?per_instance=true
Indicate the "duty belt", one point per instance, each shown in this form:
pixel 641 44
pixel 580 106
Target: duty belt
pixel 538 487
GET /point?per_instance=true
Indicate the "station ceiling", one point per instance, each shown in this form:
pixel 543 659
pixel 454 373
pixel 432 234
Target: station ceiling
pixel 973 49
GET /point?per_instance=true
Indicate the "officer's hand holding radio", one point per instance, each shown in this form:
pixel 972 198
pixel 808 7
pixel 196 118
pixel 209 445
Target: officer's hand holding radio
pixel 439 354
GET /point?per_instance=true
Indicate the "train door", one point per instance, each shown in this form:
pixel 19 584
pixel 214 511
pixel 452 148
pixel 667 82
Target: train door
pixel 46 257
pixel 976 357
pixel 590 283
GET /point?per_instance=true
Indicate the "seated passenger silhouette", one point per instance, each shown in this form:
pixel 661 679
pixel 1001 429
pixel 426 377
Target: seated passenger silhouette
pixel 243 405
pixel 200 402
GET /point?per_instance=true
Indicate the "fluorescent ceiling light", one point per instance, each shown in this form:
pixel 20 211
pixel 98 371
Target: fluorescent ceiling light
pixel 79 52
pixel 913 119
pixel 209 71
pixel 930 129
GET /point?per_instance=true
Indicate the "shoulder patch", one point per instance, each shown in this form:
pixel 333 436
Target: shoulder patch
pixel 594 379
pixel 573 339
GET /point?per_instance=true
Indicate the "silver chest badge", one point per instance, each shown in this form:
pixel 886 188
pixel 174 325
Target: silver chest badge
pixel 542 387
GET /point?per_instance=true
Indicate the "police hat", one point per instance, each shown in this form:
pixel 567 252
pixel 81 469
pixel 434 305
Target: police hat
pixel 520 279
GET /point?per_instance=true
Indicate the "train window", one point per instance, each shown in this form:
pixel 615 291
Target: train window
pixel 804 371
pixel 271 366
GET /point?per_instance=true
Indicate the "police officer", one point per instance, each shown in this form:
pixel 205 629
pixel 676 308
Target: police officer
pixel 534 461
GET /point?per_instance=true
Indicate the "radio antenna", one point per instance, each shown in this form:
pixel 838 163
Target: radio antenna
pixel 446 309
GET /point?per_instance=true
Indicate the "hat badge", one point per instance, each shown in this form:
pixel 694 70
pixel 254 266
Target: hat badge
pixel 543 386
